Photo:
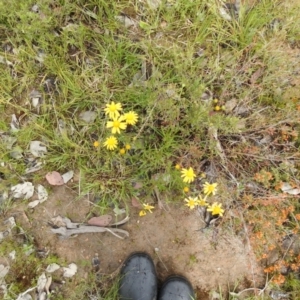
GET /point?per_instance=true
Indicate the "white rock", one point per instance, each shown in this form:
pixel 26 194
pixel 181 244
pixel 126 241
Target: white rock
pixel 67 176
pixel 23 190
pixel 287 188
pixel 88 116
pixel 70 271
pixel 37 148
pixel 33 204
pixel 42 193
pixel 52 268
pixel 3 270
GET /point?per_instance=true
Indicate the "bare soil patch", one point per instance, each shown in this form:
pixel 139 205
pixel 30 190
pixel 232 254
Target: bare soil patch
pixel 209 258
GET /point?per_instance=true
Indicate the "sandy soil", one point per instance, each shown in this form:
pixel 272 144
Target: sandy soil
pixel 210 258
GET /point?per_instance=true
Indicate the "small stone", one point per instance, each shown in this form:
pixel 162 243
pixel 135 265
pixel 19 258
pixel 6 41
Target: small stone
pixel 101 221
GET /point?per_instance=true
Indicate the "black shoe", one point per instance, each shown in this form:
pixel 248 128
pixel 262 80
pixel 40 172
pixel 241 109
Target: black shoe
pixel 176 288
pixel 138 278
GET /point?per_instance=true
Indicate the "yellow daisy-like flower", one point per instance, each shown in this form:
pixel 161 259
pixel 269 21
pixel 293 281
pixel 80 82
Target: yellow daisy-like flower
pixel 111 143
pixel 96 144
pixel 122 151
pixel 210 188
pixel 142 213
pixel 191 202
pixel 216 209
pixel 131 118
pixel 186 189
pixel 188 175
pixel 112 109
pixel 116 124
pixel 148 207
pixel 201 201
pixel 127 147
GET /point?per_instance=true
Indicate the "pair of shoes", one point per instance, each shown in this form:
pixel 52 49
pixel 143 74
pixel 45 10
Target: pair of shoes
pixel 139 282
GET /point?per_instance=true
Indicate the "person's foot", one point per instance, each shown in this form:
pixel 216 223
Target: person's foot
pixel 138 278
pixel 176 288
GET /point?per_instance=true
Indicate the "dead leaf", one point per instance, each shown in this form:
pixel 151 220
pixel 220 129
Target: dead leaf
pixel 66 233
pixel 23 190
pixel 101 221
pixel 14 124
pixel 256 75
pixel 213 135
pixel 69 228
pixel 41 283
pixel 48 284
pixel 54 178
pixel 36 98
pixel 96 262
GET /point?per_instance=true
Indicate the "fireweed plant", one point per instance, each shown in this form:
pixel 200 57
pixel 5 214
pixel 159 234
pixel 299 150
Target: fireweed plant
pixel 117 123
pixel 188 176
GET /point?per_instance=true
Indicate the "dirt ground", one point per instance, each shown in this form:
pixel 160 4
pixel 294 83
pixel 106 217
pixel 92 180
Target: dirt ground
pixel 210 258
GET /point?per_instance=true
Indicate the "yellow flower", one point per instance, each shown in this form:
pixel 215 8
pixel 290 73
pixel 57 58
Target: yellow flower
pixel 210 188
pixel 111 143
pixel 116 124
pixel 186 189
pixel 217 108
pixel 148 207
pixel 96 144
pixel 177 167
pixel 216 209
pixel 188 175
pixel 191 202
pixel 122 151
pixel 142 213
pixel 112 109
pixel 201 201
pixel 131 118
pixel 127 147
